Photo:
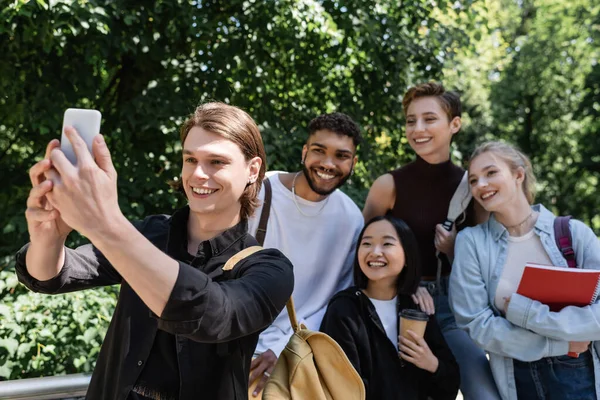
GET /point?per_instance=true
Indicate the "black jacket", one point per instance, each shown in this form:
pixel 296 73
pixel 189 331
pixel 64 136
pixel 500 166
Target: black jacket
pixel 352 321
pixel 215 315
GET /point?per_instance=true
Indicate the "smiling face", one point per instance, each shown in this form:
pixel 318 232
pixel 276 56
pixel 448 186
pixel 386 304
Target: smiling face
pixel 428 129
pixel 493 184
pixel 215 172
pixel 328 161
pixel 380 254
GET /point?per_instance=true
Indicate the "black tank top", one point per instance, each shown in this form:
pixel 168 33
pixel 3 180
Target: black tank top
pixel 423 194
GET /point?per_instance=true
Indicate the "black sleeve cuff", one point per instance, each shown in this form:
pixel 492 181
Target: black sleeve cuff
pixel 50 286
pixel 176 316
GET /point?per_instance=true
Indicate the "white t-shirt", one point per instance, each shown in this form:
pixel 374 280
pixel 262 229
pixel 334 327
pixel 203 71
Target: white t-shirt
pixel 321 249
pixel 388 314
pixel 521 250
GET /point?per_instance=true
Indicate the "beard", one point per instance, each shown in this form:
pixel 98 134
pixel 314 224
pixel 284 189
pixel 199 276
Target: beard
pixel 318 190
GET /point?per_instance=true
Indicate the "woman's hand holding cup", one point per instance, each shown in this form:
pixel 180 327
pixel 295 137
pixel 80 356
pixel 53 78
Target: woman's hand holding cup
pixel 411 344
pixel 415 350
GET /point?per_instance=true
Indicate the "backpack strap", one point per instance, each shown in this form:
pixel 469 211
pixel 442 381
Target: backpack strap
pixel 292 315
pixel 458 204
pixel 564 240
pixel 460 201
pixel 239 256
pixel 261 232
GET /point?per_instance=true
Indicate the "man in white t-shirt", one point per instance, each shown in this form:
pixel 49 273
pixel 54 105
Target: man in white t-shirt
pixel 316 226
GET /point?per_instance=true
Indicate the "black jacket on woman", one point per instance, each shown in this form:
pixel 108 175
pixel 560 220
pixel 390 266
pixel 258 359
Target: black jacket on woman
pixel 352 321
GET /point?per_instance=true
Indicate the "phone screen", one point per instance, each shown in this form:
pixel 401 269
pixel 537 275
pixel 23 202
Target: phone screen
pixel 86 123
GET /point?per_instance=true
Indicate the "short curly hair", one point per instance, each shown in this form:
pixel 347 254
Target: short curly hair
pixel 450 101
pixel 337 122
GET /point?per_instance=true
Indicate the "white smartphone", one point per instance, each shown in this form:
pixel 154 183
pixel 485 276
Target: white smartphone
pixel 87 124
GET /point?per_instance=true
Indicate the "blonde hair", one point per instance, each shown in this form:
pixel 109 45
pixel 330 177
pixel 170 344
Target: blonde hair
pixel 515 159
pixel 231 123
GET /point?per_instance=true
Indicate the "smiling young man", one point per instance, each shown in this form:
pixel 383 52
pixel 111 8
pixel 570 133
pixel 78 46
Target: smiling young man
pixel 184 326
pixel 315 226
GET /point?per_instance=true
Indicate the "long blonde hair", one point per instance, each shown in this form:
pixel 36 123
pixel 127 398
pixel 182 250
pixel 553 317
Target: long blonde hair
pixel 515 159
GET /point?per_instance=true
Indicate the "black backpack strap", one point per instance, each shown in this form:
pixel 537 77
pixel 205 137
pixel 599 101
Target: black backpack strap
pixel 564 240
pixel 261 232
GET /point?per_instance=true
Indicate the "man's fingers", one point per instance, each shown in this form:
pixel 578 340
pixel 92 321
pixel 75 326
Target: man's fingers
pixel 257 370
pixel 261 369
pixel 62 165
pixel 54 143
pixel 256 362
pixel 52 176
pixel 40 215
pixel 255 373
pixel 36 172
pixel 102 156
pixel 37 193
pixel 261 385
pixel 79 146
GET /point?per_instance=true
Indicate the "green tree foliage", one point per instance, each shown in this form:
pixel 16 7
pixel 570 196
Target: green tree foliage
pixel 145 66
pixel 532 79
pixel 44 336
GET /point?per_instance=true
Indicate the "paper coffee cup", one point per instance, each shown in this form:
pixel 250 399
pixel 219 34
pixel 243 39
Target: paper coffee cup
pixel 413 320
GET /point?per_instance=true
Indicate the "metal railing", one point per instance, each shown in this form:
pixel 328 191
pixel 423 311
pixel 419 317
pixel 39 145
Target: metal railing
pixel 52 387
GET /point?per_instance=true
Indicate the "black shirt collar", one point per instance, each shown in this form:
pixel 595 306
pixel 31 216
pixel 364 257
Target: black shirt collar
pixel 178 241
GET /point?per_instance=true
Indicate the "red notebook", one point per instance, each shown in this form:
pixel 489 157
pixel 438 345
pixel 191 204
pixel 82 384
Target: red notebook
pixel 559 287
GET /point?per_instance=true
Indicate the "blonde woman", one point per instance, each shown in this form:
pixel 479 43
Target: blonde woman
pixel 527 343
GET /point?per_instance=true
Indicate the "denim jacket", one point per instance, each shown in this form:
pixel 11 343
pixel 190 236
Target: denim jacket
pixel 530 331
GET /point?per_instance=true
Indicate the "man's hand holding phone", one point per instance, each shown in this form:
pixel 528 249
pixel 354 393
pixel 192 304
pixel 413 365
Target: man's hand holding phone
pixel 85 194
pixel 44 222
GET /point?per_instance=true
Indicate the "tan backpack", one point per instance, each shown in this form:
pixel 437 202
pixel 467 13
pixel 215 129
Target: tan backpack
pixel 312 366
